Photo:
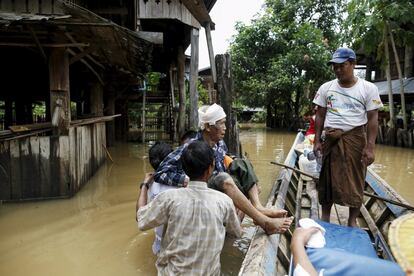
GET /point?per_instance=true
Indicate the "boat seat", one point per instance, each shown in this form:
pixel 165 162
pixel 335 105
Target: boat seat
pixel 349 251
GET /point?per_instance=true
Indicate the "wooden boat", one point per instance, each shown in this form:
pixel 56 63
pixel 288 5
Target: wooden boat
pixel 270 255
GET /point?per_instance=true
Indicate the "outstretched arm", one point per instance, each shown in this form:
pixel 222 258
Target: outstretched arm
pixel 297 246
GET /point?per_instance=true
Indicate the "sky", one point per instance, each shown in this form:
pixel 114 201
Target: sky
pixel 225 14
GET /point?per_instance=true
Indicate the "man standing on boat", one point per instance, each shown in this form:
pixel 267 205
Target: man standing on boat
pixel 242 190
pixel 348 113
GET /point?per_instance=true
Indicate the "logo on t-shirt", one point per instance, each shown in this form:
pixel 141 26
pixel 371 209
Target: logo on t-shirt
pixel 330 100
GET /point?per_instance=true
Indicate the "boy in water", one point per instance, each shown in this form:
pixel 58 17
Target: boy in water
pixel 157 153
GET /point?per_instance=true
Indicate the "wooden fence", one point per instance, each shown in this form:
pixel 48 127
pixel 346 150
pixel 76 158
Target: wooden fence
pixel 41 167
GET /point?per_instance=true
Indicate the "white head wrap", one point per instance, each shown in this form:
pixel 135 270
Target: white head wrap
pixel 210 114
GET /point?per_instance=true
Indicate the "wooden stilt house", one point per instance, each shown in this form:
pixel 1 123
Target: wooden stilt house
pixel 80 61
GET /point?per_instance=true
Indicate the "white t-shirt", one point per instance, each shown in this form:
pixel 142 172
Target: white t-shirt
pixel 346 108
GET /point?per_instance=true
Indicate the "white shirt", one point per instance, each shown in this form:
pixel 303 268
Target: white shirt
pixel 346 108
pixel 300 271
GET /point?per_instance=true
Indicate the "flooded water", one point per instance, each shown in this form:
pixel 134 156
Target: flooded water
pixel 94 233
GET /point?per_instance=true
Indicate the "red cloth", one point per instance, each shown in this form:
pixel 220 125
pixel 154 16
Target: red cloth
pixel 311 129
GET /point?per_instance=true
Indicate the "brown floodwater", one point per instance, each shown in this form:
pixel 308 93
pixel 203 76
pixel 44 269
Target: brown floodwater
pixel 94 233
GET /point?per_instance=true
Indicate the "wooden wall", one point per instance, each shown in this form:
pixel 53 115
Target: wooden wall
pixel 31 6
pixel 166 9
pixel 50 167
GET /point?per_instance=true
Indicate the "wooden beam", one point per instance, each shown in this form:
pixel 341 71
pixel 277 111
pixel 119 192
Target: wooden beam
pixel 48 45
pixel 194 79
pixel 81 55
pixel 89 66
pixel 199 11
pixel 211 53
pixel 37 42
pixel 69 36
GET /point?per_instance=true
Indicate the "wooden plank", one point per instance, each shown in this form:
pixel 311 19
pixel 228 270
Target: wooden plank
pixel 44 166
pixel 21 6
pixel 299 201
pixel 175 10
pixel 29 154
pixel 369 202
pixel 198 10
pixel 5 177
pixel 78 150
pixel 377 234
pixel 72 158
pixel 30 127
pixel 385 214
pixel 165 8
pixel 33 6
pixel 48 45
pixel 16 170
pixel 64 187
pixel 55 177
pixel 313 195
pixel 7 5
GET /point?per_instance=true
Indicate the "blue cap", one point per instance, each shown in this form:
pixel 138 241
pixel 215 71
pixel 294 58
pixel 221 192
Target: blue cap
pixel 341 55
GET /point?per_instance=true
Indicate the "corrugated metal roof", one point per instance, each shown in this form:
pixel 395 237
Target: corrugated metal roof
pixel 408 86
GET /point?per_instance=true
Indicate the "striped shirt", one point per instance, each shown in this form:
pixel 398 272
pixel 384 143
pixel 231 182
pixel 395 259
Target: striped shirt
pixel 170 171
pixel 196 219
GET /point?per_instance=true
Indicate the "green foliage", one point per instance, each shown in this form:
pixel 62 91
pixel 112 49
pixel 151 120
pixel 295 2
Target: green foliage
pixel 259 117
pixel 365 24
pixel 39 109
pixel 202 94
pixel 279 60
pixel 153 80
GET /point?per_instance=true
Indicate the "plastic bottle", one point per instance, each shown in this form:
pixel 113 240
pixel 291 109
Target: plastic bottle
pixel 310 155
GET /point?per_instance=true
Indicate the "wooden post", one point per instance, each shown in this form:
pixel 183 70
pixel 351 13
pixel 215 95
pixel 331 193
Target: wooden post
pixel 144 94
pixel 225 90
pixel 110 125
pixel 211 52
pixel 59 90
pixel 194 79
pixel 173 135
pixel 210 92
pixel 181 90
pixel 96 99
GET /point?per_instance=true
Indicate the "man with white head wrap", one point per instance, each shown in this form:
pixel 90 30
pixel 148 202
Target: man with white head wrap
pixel 212 123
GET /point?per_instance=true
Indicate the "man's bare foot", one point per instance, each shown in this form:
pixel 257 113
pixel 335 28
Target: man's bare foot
pixel 277 225
pixel 272 213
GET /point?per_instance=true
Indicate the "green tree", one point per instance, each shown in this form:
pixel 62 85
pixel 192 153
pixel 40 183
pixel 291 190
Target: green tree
pixel 374 25
pixel 280 59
